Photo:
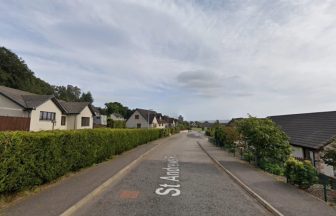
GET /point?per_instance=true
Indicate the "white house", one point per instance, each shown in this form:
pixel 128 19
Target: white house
pixel 20 110
pixel 98 119
pixel 77 115
pixel 117 117
pixel 142 118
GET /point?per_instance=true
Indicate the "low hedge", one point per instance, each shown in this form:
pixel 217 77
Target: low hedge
pixel 301 173
pixel 32 158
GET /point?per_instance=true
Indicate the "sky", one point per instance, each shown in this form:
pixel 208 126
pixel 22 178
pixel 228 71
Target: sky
pixel 203 59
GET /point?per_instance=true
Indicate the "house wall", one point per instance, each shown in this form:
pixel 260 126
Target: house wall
pixel 71 122
pixel 115 118
pixel 37 125
pixel 297 152
pixel 9 108
pixel 324 168
pixel 132 122
pixel 100 120
pixel 86 112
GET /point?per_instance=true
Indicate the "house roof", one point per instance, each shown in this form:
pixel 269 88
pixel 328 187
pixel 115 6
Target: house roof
pixel 310 130
pixel 74 107
pixel 147 114
pixel 25 99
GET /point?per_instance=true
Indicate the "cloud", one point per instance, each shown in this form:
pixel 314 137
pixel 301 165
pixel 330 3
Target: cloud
pixel 183 56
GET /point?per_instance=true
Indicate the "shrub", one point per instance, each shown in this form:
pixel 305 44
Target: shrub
pixel 266 141
pixel 116 123
pixel 33 158
pixel 226 137
pixel 300 173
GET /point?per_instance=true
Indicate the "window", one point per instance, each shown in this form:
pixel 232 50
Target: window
pixel 63 120
pixel 49 116
pixel 136 116
pixel 139 125
pixel 85 121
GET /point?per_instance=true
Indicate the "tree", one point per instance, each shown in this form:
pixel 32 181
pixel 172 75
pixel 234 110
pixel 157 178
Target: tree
pixel 116 107
pixel 266 141
pixel 180 118
pixel 329 155
pixel 14 73
pixel 71 93
pixel 86 97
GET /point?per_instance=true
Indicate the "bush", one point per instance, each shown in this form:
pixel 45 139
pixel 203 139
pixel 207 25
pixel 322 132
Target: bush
pixel 300 173
pixel 273 168
pixel 116 124
pixel 226 137
pixel 33 158
pixel 266 141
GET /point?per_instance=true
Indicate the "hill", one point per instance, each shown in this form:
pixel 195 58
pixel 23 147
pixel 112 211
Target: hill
pixel 14 73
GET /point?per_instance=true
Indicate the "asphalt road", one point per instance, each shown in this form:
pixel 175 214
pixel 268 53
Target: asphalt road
pixel 177 178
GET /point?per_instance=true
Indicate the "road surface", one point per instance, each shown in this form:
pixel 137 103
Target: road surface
pixel 176 178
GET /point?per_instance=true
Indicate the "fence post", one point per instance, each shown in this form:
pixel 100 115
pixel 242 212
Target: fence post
pixel 325 191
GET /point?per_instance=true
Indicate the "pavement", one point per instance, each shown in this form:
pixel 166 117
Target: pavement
pixel 286 198
pixel 176 178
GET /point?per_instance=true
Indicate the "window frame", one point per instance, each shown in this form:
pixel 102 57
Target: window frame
pixel 84 123
pixel 63 120
pixel 47 116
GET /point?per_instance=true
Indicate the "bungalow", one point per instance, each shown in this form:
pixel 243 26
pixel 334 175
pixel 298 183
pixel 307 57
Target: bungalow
pixel 310 134
pixel 76 115
pixel 99 120
pixel 142 118
pixel 117 117
pixel 21 110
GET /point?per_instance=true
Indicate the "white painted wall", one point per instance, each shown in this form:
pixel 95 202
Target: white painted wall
pixel 326 169
pixel 37 125
pixel 86 112
pixel 115 118
pixel 132 122
pixel 71 122
pixel 9 108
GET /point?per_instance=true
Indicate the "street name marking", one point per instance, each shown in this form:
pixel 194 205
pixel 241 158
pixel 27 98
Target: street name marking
pixel 171 184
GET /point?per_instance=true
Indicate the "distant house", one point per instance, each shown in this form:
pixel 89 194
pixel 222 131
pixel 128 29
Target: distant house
pixel 21 110
pixel 170 122
pixel 310 134
pixel 99 120
pixel 117 117
pixel 142 118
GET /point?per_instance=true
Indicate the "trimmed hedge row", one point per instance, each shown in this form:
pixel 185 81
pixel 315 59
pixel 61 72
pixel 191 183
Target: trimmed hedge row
pixel 33 158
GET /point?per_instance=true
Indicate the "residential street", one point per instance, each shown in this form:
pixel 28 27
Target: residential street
pixel 190 183
pixel 174 177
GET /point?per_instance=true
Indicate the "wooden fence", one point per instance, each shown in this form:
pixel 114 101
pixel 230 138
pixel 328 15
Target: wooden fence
pixel 14 123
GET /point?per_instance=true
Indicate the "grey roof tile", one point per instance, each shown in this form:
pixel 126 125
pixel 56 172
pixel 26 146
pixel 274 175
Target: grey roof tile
pixel 310 130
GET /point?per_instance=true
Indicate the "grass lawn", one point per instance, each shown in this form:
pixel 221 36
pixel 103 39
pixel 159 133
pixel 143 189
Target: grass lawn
pixel 197 129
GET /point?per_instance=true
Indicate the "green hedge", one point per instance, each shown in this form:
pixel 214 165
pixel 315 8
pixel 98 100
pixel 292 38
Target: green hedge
pixel 33 158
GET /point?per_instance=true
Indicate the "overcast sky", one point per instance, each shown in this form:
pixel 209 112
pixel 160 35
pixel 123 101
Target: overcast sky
pixel 204 59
